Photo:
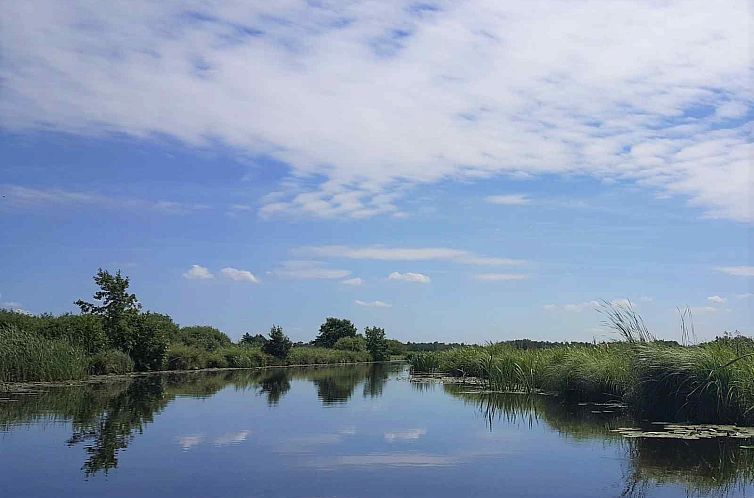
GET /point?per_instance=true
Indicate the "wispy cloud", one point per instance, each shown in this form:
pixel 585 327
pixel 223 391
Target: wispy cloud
pixel 356 281
pixel 737 271
pixel 18 197
pixel 577 307
pixel 500 277
pixel 671 117
pixel 198 272
pixel 418 278
pixel 716 300
pixel 239 275
pixel 309 270
pixel 382 253
pixel 373 304
pixel 508 199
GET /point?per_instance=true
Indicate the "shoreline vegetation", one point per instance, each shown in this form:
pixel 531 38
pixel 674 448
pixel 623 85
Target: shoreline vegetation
pixel 656 379
pixel 112 336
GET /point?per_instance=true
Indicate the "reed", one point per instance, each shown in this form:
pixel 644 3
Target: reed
pixel 27 357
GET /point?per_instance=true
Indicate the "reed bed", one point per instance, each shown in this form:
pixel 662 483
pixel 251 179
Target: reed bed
pixel 710 382
pixel 27 357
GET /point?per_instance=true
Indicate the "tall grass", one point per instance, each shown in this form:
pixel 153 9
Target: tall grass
pixel 712 382
pixel 27 357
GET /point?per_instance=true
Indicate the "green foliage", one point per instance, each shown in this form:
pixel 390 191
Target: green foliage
pixel 85 332
pixel 111 362
pixel 396 347
pixel 278 345
pixel 376 343
pixel 332 330
pixel 322 356
pixel 351 344
pixel 116 307
pixel 149 339
pixel 26 356
pixel 202 337
pixel 255 341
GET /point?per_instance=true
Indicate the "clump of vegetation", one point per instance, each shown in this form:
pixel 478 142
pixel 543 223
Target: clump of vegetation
pixel 109 362
pixel 351 344
pixel 334 329
pixel 278 344
pixel 28 357
pixel 202 337
pixel 662 379
pixel 376 343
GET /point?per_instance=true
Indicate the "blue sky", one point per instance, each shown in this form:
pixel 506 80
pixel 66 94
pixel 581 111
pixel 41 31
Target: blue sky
pixel 448 171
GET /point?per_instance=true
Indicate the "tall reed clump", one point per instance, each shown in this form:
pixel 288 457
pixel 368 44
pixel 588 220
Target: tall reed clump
pixel 27 357
pixel 597 373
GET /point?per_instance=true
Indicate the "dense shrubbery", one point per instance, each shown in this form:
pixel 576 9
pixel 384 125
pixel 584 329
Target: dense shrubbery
pixel 201 337
pixel 351 344
pixel 111 362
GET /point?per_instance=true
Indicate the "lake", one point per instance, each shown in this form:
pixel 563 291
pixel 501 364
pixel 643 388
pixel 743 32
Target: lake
pixel 346 431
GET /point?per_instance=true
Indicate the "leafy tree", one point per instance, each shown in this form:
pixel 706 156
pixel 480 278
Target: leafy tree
pixel 116 307
pixel 396 347
pixel 278 345
pixel 202 337
pixel 334 329
pixel 149 339
pixel 376 343
pixel 351 344
pixel 249 340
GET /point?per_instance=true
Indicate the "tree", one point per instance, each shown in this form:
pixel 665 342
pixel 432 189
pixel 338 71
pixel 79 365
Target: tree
pixel 278 345
pixel 376 343
pixel 203 337
pixel 249 340
pixel 334 329
pixel 351 344
pixel 150 334
pixel 116 307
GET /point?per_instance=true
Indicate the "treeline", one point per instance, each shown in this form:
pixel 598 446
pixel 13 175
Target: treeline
pixel 112 335
pixel 525 344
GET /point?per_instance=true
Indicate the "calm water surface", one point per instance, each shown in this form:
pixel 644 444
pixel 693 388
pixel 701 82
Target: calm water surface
pixel 351 431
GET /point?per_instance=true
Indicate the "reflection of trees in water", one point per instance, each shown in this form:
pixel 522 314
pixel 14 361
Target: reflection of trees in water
pixel 107 416
pixel 274 383
pixel 716 467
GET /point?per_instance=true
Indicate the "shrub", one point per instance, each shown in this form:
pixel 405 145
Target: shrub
pixel 182 357
pixel 150 332
pixel 111 362
pixel 201 337
pixel 351 344
pixel 25 356
pixel 85 332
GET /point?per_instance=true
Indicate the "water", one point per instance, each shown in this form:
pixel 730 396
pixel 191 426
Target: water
pixel 352 431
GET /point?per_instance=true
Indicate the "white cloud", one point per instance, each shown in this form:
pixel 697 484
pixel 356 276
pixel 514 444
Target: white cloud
pixel 508 199
pixel 17 197
pixel 198 272
pixel 716 299
pixel 239 275
pixel 737 271
pixel 408 435
pixel 231 438
pixel 500 277
pixel 381 253
pixel 577 308
pixel 745 295
pixel 418 278
pixel 373 304
pixel 309 270
pixel 356 281
pixel 368 97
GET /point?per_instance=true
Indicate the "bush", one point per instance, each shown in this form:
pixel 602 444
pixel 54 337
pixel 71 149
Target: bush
pixel 351 344
pixel 332 330
pixel 82 331
pixel 376 343
pixel 243 357
pixel 201 337
pixel 278 344
pixel 182 357
pixel 150 332
pixel 25 356
pixel 322 356
pixel 111 362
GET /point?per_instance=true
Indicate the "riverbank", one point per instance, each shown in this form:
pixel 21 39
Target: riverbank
pixel 711 382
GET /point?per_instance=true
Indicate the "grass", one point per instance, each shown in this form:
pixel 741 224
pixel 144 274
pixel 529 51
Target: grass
pixel 711 382
pixel 27 357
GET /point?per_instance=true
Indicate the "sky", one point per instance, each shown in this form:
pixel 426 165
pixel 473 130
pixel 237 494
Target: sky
pixel 467 171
